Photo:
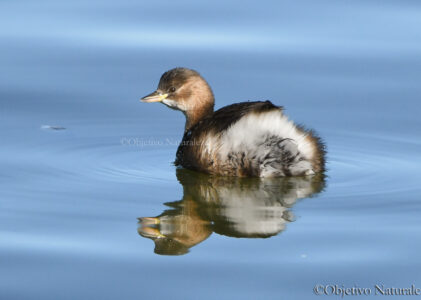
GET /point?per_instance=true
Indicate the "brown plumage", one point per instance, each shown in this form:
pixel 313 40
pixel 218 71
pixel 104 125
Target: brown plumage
pixel 242 139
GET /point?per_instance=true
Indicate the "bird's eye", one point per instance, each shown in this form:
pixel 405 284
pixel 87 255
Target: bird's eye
pixel 172 89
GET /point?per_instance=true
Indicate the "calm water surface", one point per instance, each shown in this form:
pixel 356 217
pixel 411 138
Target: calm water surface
pixel 92 206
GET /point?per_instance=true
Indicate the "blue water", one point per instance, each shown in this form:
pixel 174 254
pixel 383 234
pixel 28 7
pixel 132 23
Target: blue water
pixel 81 159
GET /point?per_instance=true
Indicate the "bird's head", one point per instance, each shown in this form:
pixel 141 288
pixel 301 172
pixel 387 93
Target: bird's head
pixel 184 89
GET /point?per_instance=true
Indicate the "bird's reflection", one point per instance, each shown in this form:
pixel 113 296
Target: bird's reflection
pixel 235 207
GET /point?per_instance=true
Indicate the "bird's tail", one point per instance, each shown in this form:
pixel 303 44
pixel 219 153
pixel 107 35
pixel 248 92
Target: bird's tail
pixel 281 157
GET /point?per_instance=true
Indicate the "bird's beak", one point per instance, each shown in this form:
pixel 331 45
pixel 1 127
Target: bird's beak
pixel 154 97
pixel 148 228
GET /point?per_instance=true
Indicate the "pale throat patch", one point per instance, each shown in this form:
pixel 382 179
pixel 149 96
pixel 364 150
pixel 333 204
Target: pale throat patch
pixel 173 104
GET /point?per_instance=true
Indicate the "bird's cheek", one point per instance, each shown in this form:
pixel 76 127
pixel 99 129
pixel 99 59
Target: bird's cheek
pixel 182 105
pixel 175 104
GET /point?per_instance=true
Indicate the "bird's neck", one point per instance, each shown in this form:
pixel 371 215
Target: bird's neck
pixel 195 115
pixel 202 101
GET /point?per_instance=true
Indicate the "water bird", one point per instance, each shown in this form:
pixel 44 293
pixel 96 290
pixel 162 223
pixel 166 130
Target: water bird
pixel 246 139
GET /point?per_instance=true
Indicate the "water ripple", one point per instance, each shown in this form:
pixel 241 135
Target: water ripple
pixel 357 164
pixel 374 169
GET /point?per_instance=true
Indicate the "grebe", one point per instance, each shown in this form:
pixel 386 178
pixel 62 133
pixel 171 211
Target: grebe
pixel 243 139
